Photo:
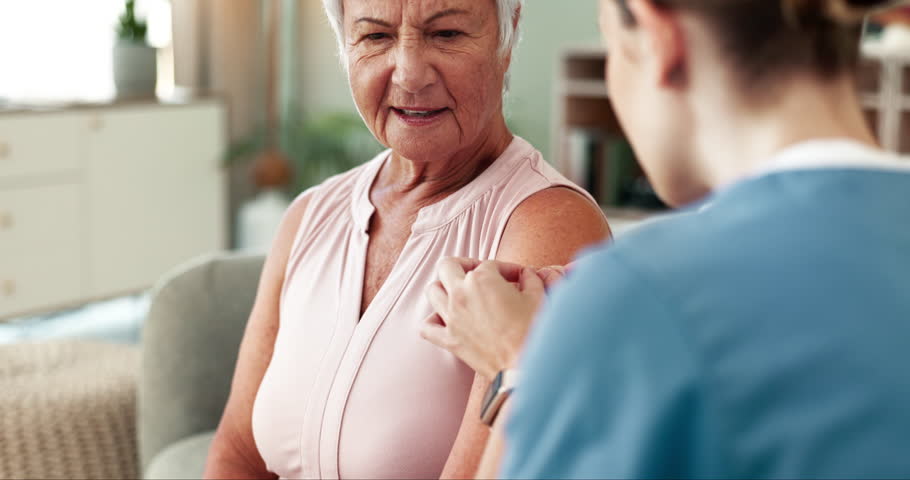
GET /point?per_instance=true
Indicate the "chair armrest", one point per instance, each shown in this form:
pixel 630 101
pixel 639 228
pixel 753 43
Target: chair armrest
pixel 190 343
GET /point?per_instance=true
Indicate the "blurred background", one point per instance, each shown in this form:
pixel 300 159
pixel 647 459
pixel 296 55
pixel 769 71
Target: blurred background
pixel 148 150
pixel 137 135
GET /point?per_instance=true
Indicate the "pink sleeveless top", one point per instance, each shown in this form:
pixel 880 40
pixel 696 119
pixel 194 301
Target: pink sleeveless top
pixel 352 397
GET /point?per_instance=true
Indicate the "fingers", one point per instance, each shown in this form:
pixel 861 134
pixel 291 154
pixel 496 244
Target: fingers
pixel 439 300
pixel 435 334
pixel 489 275
pixel 551 275
pixel 531 284
pixel 467 264
pixel 451 273
pixel 509 271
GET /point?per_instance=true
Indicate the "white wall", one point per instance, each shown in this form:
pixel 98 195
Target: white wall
pixel 548 26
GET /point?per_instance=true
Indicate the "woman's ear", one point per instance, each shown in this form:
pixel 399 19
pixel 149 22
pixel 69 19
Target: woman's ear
pixel 516 19
pixel 662 41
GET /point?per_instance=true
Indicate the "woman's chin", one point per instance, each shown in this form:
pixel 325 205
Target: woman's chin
pixel 423 148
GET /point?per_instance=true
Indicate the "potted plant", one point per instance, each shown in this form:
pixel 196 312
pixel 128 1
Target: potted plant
pixel 135 61
pixel 317 146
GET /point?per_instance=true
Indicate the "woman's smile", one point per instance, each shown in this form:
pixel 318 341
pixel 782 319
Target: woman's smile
pixel 419 116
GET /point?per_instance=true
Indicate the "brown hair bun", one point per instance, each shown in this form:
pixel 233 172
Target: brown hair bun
pixel 850 12
pixel 843 12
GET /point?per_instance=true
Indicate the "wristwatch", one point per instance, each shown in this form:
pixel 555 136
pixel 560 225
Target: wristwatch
pixel 497 393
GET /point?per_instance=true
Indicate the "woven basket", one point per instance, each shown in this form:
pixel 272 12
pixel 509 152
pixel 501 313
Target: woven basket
pixel 67 410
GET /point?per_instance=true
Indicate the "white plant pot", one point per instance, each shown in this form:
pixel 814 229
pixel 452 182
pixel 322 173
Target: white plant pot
pixel 135 69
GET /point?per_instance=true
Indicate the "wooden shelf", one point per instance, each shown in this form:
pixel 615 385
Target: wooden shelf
pixel 593 52
pixel 585 88
pixel 870 100
pixel 582 100
pixel 904 132
pixel 585 126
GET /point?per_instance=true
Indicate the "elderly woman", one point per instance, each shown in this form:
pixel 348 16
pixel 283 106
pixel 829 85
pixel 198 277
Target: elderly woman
pixel 333 380
pixel 763 332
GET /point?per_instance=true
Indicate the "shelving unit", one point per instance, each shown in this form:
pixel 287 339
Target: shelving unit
pixel 884 83
pixel 582 103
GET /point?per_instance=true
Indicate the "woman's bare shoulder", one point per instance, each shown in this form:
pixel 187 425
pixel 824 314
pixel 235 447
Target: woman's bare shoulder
pixel 550 227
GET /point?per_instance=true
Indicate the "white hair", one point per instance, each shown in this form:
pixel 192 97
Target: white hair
pixel 507 10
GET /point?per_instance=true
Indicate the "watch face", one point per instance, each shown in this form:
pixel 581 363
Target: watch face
pixel 495 386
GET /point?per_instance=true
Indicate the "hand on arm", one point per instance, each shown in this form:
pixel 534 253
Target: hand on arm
pixel 485 309
pixel 466 301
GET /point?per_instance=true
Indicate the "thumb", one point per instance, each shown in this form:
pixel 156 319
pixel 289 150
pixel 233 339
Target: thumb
pixel 531 284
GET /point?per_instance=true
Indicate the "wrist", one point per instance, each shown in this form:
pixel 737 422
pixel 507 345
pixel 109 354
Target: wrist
pixel 503 412
pixel 497 362
pixel 508 360
pixel 497 394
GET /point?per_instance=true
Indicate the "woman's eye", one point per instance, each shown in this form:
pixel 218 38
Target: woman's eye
pixel 447 34
pixel 375 36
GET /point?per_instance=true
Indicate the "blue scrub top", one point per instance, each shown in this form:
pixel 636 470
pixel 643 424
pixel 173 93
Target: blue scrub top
pixel 767 336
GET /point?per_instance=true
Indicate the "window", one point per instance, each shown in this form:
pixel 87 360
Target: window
pixel 60 50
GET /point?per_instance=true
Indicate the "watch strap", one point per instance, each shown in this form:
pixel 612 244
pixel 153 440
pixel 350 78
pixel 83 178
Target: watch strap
pixel 499 390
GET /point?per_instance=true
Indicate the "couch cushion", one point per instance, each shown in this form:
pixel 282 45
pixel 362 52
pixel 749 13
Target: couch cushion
pixel 184 459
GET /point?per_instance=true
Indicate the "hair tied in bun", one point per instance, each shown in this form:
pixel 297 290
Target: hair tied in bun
pixel 852 12
pixel 795 11
pixel 844 12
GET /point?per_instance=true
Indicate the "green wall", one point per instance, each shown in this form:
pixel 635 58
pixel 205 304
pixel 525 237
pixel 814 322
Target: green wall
pixel 547 27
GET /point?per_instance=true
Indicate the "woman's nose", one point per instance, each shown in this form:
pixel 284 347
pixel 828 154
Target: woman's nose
pixel 413 72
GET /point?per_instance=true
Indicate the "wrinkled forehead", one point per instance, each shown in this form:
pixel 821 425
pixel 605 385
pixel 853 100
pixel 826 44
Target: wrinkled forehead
pixel 416 12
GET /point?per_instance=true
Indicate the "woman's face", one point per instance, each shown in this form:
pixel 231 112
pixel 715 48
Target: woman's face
pixel 426 74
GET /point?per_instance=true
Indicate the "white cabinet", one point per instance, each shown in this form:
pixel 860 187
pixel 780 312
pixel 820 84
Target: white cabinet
pixel 39 144
pixel 41 247
pixel 153 194
pixel 99 202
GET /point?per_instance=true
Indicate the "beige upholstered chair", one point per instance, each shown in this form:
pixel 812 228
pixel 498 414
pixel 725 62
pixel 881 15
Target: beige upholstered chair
pixel 189 348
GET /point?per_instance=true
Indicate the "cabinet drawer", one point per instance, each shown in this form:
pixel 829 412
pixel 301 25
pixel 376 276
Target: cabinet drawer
pixel 41 249
pixel 39 144
pixel 159 206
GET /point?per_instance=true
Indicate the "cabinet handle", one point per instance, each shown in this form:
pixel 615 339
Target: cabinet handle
pixel 4 151
pixel 6 221
pixel 95 123
pixel 9 288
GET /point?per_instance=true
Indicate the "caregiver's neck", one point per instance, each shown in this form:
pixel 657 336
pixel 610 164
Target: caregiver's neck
pixel 430 180
pixel 739 138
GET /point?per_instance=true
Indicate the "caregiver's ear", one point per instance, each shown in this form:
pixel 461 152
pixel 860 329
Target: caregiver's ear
pixel 662 41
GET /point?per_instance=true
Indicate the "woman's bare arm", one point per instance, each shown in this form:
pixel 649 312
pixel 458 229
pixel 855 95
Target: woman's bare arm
pixel 549 228
pixel 496 445
pixel 233 453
